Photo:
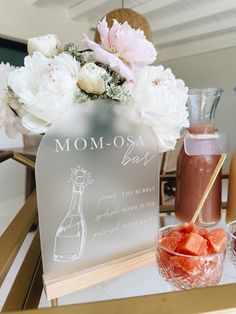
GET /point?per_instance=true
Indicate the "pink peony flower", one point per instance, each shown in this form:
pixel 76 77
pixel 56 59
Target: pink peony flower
pixel 122 48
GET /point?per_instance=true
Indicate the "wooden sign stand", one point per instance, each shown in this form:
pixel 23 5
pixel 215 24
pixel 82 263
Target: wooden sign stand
pixel 59 286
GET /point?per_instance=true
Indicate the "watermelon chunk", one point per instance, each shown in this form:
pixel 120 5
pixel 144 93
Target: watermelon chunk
pixel 175 233
pixel 191 244
pixel 203 250
pixel 216 240
pixel 203 232
pixel 172 241
pixel 187 228
pixel 163 257
pixel 182 227
pixel 189 265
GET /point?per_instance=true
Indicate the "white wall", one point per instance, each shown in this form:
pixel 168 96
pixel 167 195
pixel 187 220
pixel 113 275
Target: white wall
pixel 20 20
pixel 213 69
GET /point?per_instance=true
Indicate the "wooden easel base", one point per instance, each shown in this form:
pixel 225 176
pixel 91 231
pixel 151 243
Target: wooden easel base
pixel 59 286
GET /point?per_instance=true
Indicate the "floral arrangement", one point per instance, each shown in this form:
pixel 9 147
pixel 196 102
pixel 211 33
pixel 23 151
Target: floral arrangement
pixel 53 80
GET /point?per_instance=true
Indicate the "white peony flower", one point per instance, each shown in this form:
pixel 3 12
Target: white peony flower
pixel 49 45
pixel 160 99
pixel 8 119
pixel 91 79
pixel 45 87
pixel 5 69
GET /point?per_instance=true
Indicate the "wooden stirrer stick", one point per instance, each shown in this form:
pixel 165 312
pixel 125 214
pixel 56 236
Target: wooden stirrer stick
pixel 209 186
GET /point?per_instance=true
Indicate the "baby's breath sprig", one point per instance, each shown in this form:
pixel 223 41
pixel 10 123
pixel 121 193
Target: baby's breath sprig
pixel 120 93
pixel 73 50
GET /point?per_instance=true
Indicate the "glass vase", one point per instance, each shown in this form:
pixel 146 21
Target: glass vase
pixel 194 172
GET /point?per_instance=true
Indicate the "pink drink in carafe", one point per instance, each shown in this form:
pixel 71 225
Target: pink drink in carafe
pixel 194 173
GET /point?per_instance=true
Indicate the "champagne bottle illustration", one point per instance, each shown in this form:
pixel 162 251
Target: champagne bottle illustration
pixel 71 234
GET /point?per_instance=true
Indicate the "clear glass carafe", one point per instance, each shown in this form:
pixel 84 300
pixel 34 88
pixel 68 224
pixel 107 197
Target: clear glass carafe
pixel 194 172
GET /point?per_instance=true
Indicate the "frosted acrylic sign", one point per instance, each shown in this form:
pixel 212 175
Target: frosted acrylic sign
pixel 97 187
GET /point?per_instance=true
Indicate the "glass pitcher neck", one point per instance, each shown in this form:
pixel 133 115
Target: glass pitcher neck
pixel 202 104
